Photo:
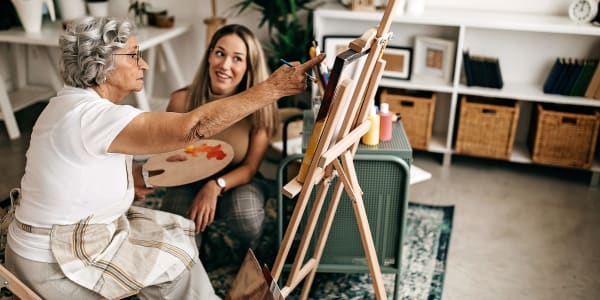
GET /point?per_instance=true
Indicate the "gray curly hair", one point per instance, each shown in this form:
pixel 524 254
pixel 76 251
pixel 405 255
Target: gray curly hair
pixel 87 48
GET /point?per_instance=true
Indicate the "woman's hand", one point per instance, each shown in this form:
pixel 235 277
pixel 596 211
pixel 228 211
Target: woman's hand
pixel 138 184
pixel 204 207
pixel 141 192
pixel 293 80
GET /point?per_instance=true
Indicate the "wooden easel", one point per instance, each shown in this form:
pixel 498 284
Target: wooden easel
pixel 337 156
pixel 16 286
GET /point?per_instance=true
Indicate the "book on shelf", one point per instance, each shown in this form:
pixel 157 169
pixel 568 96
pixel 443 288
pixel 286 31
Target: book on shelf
pixel 563 77
pixel 478 67
pixel 494 74
pixel 574 72
pixel 482 71
pixel 573 77
pixel 594 84
pixel 467 67
pixel 584 78
pixel 553 75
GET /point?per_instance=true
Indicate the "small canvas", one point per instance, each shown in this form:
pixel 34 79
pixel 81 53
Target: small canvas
pixel 334 45
pixel 253 282
pixel 348 65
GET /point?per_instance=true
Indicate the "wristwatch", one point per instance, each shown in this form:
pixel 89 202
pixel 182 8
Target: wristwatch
pixel 221 183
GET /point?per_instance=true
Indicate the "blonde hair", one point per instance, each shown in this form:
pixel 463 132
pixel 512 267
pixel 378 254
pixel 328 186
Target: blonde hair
pixel 256 72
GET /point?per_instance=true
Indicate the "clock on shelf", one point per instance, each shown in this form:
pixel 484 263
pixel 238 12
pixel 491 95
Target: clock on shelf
pixel 583 11
pixel 596 20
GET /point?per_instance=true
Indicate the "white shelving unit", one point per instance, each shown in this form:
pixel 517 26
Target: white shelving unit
pixel 526 45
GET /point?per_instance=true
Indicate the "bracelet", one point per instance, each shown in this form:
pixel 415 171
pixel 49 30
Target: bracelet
pixel 146 177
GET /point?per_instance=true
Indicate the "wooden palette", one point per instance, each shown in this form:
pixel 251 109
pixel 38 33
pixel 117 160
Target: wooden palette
pixel 200 160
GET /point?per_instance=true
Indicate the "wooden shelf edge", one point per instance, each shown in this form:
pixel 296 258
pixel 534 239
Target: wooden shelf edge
pixel 438 144
pixel 522 155
pixel 454 17
pixel 526 92
pixel 416 84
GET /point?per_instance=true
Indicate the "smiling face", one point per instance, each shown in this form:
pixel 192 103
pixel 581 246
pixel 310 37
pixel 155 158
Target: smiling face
pixel 227 65
pixel 126 76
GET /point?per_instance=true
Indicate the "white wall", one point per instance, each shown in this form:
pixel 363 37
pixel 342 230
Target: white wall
pixel 189 48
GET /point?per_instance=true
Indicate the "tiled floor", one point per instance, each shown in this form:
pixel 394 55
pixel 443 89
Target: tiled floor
pixel 520 231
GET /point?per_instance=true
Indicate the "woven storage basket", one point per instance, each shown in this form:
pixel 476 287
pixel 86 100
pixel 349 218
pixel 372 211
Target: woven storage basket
pixel 565 136
pixel 487 127
pixel 416 112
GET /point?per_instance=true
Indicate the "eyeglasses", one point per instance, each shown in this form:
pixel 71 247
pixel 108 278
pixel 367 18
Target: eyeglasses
pixel 137 56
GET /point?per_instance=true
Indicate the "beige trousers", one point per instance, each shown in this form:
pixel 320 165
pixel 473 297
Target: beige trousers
pixel 48 281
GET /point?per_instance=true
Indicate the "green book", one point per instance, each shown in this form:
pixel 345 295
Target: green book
pixel 554 74
pixel 584 78
pixel 562 76
pixel 572 75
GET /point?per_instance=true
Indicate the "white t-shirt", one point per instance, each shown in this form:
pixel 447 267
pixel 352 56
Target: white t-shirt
pixel 69 174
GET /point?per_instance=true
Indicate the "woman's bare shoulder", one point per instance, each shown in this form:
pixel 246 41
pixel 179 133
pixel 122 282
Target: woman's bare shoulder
pixel 177 101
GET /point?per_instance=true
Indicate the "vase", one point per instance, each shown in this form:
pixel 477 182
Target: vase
pixel 118 8
pixel 71 9
pixel 400 6
pixel 98 9
pixel 415 7
pixel 30 13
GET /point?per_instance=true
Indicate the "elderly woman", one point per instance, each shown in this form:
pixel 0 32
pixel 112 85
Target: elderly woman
pixel 75 234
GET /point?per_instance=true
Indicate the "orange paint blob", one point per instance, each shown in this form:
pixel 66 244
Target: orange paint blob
pixel 211 151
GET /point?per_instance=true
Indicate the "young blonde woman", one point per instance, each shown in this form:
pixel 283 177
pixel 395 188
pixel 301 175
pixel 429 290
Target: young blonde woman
pixel 233 63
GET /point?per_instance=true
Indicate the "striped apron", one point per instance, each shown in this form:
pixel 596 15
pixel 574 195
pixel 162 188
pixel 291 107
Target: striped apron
pixel 143 247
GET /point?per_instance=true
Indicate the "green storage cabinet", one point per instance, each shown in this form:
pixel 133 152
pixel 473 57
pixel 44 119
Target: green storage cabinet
pixel 383 172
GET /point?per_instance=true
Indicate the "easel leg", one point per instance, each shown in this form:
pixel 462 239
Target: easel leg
pixel 347 177
pixel 347 164
pixel 292 228
pixel 369 246
pixel 308 232
pixel 323 235
pixel 365 234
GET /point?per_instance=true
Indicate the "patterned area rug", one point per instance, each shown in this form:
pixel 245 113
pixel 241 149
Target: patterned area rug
pixel 423 264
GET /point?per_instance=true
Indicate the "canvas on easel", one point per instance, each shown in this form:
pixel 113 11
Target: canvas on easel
pixel 347 65
pixel 340 123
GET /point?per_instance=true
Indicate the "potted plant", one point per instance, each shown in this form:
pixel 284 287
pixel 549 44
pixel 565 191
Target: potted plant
pixel 98 8
pixel 289 25
pixel 139 9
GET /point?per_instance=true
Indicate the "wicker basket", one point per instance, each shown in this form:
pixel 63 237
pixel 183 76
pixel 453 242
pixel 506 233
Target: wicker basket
pixel 487 127
pixel 416 112
pixel 565 136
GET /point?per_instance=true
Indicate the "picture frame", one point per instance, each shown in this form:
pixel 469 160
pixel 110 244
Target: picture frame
pixel 433 58
pixel 398 62
pixel 335 44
